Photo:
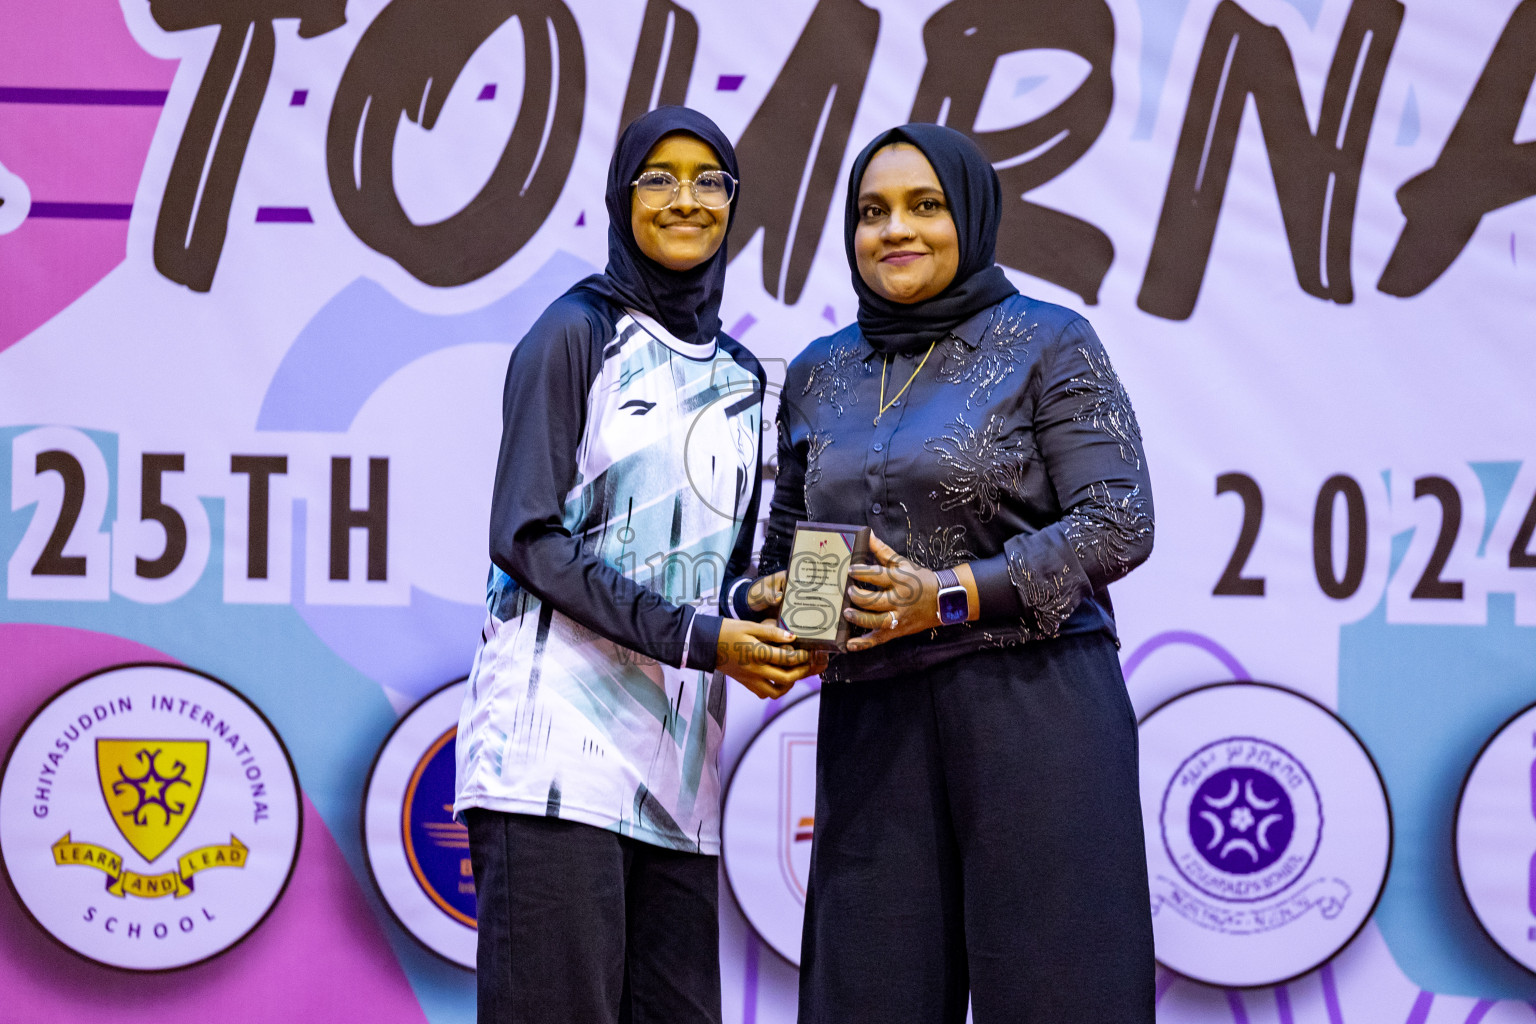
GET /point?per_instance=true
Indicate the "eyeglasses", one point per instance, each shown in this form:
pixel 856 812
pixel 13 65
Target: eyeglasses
pixel 658 189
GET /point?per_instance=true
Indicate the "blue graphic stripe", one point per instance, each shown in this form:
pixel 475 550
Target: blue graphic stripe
pixel 641 689
pixel 696 745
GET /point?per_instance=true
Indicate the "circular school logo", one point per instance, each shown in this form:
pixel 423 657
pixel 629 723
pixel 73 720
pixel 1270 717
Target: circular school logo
pixel 1268 833
pixel 1496 838
pixel 1241 819
pixel 417 853
pixel 770 813
pixel 149 817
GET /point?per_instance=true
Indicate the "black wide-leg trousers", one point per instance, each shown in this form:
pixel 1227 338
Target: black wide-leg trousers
pixel 978 833
pixel 580 924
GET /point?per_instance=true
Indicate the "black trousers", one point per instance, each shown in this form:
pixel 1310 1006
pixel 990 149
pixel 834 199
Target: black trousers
pixel 579 924
pixel 978 832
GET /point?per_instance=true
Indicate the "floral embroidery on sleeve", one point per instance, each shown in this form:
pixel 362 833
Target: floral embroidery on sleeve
pixel 1110 533
pixel 1048 598
pixel 1109 407
pixel 818 443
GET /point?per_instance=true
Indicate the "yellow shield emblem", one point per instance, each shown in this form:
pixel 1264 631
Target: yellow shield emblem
pixel 151 788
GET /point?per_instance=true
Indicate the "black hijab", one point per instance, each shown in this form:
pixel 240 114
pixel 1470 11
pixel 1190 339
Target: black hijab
pixel 685 302
pixel 975 202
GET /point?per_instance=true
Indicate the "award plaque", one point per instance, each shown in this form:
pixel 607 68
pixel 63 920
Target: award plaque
pixel 816 585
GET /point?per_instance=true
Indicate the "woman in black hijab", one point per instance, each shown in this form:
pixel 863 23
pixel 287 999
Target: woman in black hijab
pixel 685 299
pixel 588 744
pixel 978 826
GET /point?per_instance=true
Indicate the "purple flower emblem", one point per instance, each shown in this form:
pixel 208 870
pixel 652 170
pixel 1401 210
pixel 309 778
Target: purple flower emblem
pixel 1241 820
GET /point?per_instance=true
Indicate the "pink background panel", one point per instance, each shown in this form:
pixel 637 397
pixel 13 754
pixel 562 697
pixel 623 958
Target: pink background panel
pixel 48 264
pixel 76 46
pixel 69 153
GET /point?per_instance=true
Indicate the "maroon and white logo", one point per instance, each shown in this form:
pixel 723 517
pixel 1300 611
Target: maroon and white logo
pixel 770 808
pixel 797 807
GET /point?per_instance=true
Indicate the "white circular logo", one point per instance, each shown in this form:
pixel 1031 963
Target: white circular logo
pixel 417 853
pixel 149 817
pixel 1268 833
pixel 1241 819
pixel 770 811
pixel 1496 838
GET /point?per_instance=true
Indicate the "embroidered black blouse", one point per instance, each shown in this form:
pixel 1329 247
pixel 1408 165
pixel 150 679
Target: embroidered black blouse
pixel 1014 449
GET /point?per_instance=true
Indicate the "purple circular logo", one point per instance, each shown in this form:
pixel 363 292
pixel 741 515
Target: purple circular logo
pixel 1241 820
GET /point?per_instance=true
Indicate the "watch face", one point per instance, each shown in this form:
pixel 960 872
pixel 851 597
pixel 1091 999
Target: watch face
pixel 953 606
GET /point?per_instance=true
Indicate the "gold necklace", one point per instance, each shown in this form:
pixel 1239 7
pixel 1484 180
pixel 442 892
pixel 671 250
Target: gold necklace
pixel 885 406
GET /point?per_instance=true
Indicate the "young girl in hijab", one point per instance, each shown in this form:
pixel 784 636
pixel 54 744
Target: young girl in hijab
pixel 625 491
pixel 978 828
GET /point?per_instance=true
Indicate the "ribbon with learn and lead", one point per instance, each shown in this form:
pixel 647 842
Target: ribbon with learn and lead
pixel 176 883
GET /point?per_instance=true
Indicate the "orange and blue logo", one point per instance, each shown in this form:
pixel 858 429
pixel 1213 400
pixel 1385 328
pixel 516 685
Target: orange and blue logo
pixel 436 846
pixel 417 853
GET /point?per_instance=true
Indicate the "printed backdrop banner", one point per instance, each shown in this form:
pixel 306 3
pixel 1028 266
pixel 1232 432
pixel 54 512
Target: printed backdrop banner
pixel 262 265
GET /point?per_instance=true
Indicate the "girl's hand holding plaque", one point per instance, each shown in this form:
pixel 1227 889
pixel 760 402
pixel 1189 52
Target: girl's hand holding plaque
pixel 816 584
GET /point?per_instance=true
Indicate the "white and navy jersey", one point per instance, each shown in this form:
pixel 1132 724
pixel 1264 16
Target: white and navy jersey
pixel 626 491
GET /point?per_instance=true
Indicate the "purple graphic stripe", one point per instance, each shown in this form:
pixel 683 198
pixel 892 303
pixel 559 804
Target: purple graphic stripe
pixel 84 97
pixel 1179 636
pixel 283 215
pixel 1165 980
pixel 82 211
pixel 741 326
pixel 749 985
pixel 1331 995
pixel 1283 1005
pixel 729 83
pixel 1481 1010
pixel 1235 1003
pixel 1420 1012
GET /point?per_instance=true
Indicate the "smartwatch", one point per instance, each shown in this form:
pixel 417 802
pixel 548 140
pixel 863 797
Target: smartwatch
pixel 954 602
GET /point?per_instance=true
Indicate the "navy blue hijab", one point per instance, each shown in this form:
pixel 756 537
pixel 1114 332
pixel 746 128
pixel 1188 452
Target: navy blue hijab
pixel 974 196
pixel 685 302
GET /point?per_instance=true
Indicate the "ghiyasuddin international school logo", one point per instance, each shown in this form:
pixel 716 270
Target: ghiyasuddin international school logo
pixel 149 817
pixel 418 854
pixel 1268 833
pixel 152 787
